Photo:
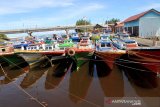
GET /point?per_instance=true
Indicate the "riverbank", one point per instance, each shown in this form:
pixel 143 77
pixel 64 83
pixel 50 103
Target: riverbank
pixel 145 42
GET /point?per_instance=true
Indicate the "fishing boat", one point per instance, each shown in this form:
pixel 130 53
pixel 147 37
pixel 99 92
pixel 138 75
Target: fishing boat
pixel 108 52
pixel 4 50
pixel 50 49
pixel 123 41
pixel 147 56
pixel 67 44
pixel 75 37
pixel 8 57
pixel 82 52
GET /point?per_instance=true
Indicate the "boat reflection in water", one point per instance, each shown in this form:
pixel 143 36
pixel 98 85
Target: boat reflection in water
pixel 32 76
pixel 138 73
pixel 13 73
pixel 111 80
pixel 79 83
pixel 56 73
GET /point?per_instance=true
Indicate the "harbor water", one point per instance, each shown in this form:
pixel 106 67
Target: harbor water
pixel 64 85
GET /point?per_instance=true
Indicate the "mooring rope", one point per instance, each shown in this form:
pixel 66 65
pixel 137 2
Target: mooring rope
pixel 33 98
pixel 124 61
pixel 54 86
pixel 119 64
pixel 62 89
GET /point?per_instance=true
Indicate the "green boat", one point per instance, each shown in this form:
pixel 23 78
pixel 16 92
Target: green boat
pixel 83 53
pixel 82 58
pixel 7 57
pixel 67 43
pixel 12 60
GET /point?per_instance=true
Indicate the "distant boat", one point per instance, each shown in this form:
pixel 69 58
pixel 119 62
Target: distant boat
pixel 123 41
pixel 75 37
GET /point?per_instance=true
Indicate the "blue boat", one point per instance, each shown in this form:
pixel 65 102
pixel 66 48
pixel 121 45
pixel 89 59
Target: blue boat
pixel 123 41
pixel 75 37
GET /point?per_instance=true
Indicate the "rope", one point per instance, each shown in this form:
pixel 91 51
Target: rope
pixel 121 64
pixel 144 54
pixel 124 61
pixel 62 89
pixel 48 83
pixel 5 74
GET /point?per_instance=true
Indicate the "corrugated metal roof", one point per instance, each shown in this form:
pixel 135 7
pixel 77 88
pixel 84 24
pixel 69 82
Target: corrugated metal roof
pixel 136 17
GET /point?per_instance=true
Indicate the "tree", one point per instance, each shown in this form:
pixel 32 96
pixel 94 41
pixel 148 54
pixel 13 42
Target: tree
pixel 112 21
pixel 3 37
pixel 82 22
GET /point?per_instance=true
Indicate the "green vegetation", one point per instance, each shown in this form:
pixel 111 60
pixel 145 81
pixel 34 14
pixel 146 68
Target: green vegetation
pixel 82 22
pixel 3 37
pixel 112 21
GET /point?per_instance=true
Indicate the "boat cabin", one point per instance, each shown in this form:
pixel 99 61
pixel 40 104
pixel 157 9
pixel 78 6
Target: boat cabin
pixel 84 43
pixel 104 38
pixel 124 43
pixel 104 46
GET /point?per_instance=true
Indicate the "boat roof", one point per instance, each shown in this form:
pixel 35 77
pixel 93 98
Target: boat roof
pixel 103 41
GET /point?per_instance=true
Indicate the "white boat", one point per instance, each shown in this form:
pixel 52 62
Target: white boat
pixel 123 41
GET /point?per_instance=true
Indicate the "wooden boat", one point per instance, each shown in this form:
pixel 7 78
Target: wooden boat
pixel 44 49
pixel 4 50
pixel 82 52
pixel 123 41
pixel 7 56
pixel 147 56
pixel 75 37
pixel 107 52
pixel 67 44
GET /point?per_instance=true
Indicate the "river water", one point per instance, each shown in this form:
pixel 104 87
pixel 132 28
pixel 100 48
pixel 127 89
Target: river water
pixel 88 86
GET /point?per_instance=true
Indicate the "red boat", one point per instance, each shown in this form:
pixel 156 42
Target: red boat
pixel 147 56
pixel 106 51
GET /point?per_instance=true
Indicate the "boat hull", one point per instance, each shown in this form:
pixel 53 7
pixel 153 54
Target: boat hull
pixel 81 55
pixel 50 53
pixel 110 56
pixel 148 57
pixel 12 59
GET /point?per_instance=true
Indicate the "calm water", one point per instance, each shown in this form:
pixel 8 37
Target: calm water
pixel 63 86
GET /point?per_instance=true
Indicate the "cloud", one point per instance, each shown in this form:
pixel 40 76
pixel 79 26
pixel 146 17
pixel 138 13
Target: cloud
pixel 150 6
pixel 22 6
pixel 74 12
